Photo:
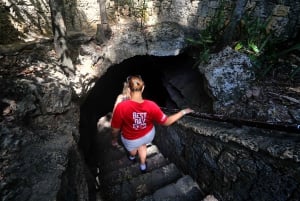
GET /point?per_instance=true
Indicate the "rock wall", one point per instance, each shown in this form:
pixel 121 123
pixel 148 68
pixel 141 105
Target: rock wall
pixel 28 20
pixel 235 163
pixel 39 102
pixel 39 130
pixel 228 74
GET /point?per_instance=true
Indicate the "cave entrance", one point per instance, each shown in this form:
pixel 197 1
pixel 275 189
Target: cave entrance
pixel 171 82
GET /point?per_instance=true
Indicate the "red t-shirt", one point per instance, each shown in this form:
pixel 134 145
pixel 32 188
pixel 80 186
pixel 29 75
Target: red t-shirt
pixel 136 119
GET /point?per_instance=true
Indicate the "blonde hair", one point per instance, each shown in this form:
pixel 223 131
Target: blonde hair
pixel 123 96
pixel 125 89
pixel 135 83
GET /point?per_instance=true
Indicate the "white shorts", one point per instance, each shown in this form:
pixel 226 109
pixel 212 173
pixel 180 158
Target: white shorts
pixel 134 144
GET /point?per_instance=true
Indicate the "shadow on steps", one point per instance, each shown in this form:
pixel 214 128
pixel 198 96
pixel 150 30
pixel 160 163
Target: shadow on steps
pixel 121 179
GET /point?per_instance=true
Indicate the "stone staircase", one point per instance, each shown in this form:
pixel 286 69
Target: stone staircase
pixel 119 179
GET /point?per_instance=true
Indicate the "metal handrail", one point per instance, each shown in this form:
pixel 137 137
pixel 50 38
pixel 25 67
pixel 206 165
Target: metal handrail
pixel 293 127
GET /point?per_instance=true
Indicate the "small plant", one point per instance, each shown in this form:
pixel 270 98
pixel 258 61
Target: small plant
pixel 137 10
pixel 294 72
pixel 140 12
pixel 262 47
pixel 251 37
pixel 253 40
pixel 209 36
pixel 203 45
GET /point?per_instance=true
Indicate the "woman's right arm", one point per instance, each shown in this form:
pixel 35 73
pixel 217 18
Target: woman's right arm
pixel 174 117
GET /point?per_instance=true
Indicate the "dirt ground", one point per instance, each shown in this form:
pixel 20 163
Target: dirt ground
pixel 274 96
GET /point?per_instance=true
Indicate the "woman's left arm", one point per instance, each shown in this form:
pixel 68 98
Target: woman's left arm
pixel 114 135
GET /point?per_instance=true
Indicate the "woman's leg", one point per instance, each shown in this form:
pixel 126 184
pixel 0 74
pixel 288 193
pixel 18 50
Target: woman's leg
pixel 129 145
pixel 133 153
pixel 142 151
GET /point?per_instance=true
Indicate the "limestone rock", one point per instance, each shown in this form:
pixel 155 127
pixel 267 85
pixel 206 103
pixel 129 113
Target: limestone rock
pixel 228 76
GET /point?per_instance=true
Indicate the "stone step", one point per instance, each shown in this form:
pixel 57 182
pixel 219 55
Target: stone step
pixel 117 162
pixel 120 174
pixel 142 185
pixel 119 179
pixel 185 189
pixel 110 154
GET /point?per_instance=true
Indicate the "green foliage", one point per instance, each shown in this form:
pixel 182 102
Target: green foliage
pixel 263 48
pixel 141 12
pixel 294 72
pixel 252 38
pixel 209 36
pixel 137 10
pixel 203 45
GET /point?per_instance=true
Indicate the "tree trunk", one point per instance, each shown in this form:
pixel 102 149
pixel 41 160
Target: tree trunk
pixel 103 29
pixel 235 19
pixel 60 34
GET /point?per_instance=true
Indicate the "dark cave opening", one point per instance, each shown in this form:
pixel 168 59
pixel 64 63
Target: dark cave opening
pixel 156 72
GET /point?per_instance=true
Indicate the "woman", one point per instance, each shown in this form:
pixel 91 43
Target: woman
pixel 125 95
pixel 135 119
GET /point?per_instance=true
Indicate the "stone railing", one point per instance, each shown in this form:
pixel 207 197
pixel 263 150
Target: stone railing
pixel 234 163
